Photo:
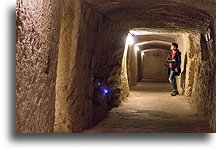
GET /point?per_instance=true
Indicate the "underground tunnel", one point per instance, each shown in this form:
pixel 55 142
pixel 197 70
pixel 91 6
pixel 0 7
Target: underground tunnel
pixel 100 66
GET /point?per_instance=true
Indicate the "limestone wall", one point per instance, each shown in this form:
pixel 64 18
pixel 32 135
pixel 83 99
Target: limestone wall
pixel 37 38
pixel 69 66
pixel 213 117
pixel 192 61
pixel 117 77
pixel 88 46
pixel 153 65
pixel 66 63
pixel 124 85
pixel 183 43
pixel 200 73
pixel 132 66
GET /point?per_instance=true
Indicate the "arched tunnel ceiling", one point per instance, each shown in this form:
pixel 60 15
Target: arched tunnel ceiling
pixel 164 15
pixel 159 37
pixel 153 45
pixel 155 50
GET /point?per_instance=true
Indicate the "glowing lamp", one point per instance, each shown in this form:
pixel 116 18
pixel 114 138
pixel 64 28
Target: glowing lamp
pixel 130 39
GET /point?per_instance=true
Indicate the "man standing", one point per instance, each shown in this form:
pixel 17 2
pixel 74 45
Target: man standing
pixel 174 60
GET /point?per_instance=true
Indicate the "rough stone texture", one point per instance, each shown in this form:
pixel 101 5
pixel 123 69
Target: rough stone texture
pixel 85 35
pixel 200 73
pixel 87 48
pixel 124 77
pixel 132 66
pixel 188 14
pixel 192 61
pixel 114 77
pixel 37 27
pixel 116 80
pixel 153 65
pixel 213 121
pixel 66 61
pixel 92 51
pixel 203 91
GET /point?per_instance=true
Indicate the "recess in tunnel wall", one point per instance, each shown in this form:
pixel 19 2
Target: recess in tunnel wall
pixel 37 38
pixel 88 83
pixel 117 77
pixel 202 73
pixel 153 65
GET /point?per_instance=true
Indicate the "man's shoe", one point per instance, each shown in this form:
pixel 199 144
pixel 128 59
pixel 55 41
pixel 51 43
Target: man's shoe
pixel 175 93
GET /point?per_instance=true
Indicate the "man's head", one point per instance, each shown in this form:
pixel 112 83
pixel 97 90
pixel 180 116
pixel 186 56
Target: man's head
pixel 174 46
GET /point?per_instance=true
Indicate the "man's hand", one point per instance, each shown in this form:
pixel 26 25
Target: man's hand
pixel 173 60
pixel 176 70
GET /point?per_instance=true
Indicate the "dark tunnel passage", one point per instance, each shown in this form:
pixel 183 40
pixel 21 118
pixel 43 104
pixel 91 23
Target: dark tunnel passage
pixel 100 66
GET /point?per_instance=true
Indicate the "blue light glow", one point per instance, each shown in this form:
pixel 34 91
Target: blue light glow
pixel 105 90
pixel 99 83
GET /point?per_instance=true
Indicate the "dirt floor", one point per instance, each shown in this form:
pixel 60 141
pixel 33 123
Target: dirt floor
pixel 151 109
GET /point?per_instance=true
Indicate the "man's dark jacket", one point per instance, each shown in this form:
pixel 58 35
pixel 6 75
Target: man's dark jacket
pixel 176 64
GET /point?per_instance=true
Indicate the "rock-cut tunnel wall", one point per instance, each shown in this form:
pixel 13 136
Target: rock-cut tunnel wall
pixel 214 118
pixel 213 121
pixel 68 57
pixel 37 41
pixel 200 72
pixel 87 59
pixel 198 69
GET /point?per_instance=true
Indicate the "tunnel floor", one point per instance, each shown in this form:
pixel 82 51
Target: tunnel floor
pixel 150 109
